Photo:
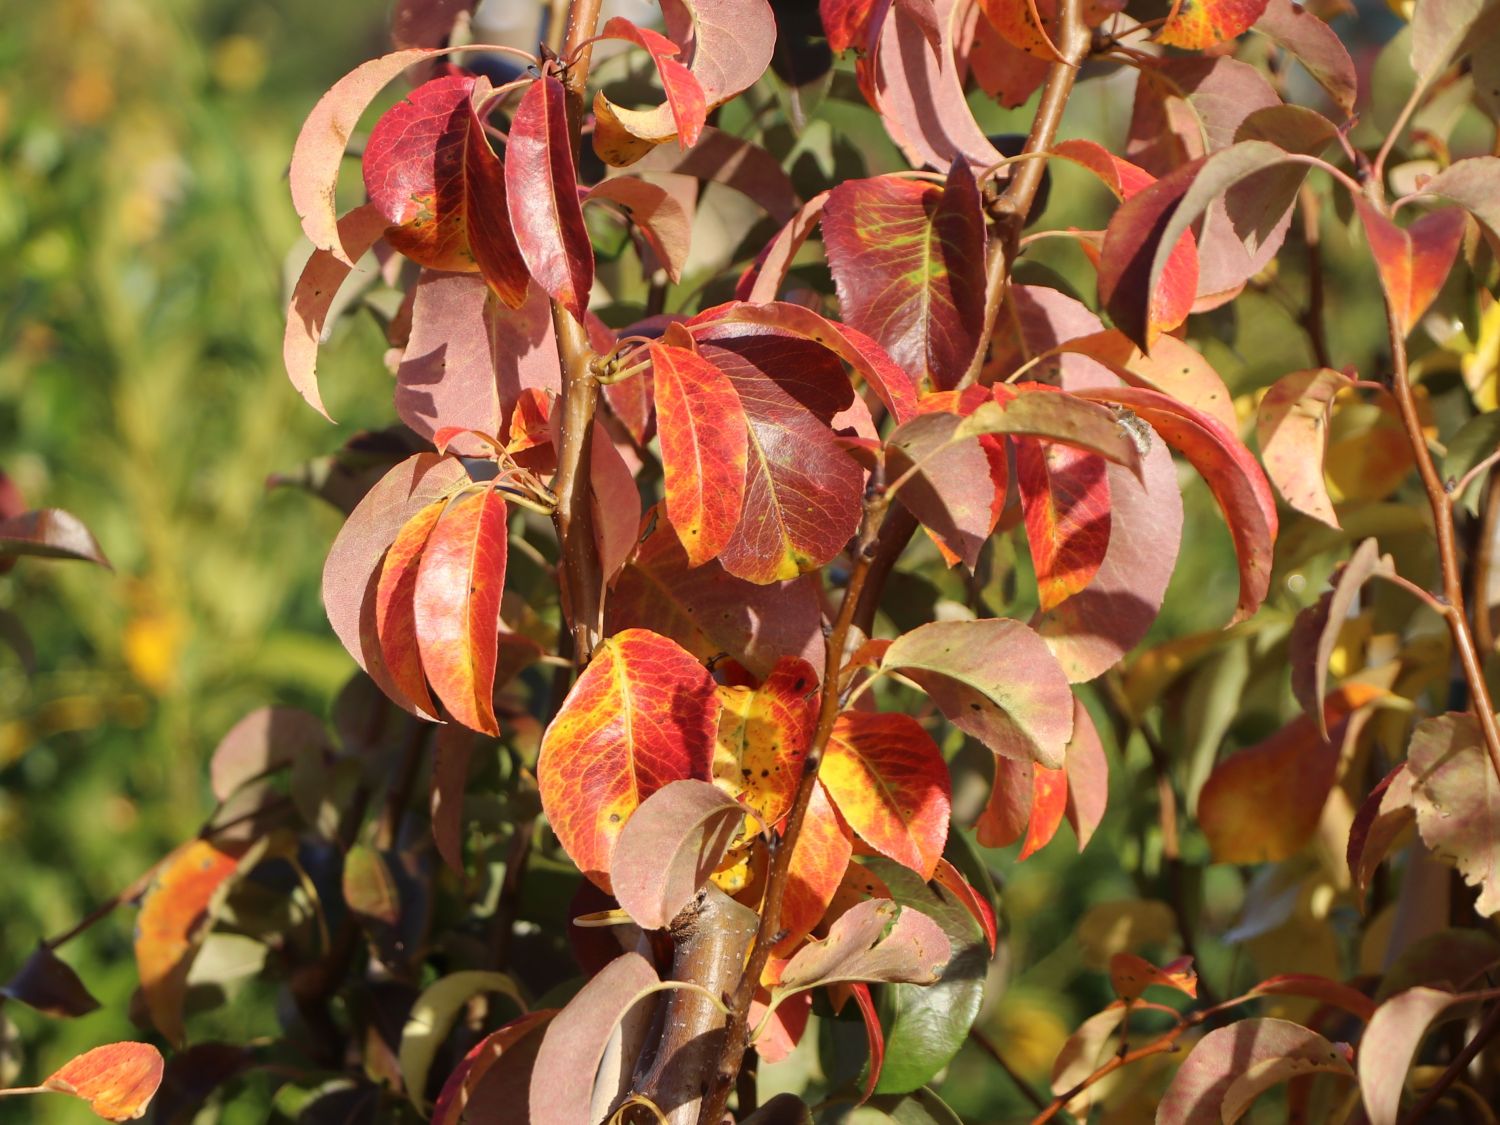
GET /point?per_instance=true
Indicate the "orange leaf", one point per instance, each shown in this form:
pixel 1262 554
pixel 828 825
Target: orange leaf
pixel 171 924
pixel 118 1081
pixel 1413 262
pixel 1065 498
pixel 395 611
pixel 1262 804
pixel 1196 24
pixel 1049 801
pixel 702 429
pixel 764 734
pixel 952 880
pixel 456 603
pixel 820 859
pixel 643 713
pixel 1132 975
pixel 890 782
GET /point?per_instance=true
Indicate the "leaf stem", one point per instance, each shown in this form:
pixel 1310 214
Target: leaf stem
pixel 1441 501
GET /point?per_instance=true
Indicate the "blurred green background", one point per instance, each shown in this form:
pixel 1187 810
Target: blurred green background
pixel 144 237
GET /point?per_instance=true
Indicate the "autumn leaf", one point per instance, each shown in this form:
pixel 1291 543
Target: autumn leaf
pixel 118 1081
pixel 1413 261
pixel 820 859
pixel 429 169
pixel 1195 24
pixel 1291 425
pixel 542 196
pixel 889 782
pixel 642 714
pixel 1228 1068
pixel 764 733
pixel 50 533
pixel 661 216
pixel 1457 800
pixel 1065 499
pixel 174 915
pixel 954 486
pixel 395 608
pixel 494 1078
pixel 1380 821
pixel 685 97
pixel 703 433
pixel 874 941
pixel 908 261
pixel 1132 975
pixel 456 606
pixel 369 887
pixel 1049 804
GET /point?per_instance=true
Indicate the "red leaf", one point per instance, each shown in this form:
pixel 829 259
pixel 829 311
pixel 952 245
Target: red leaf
pixel 857 23
pixel 710 612
pixel 118 1081
pixel 1008 810
pixel 874 1036
pixel 313 296
pixel 908 260
pixel 763 279
pixel 1230 472
pixel 1413 262
pixel 351 572
pixel 723 158
pixel 1386 813
pixel 50 533
pixel 174 915
pixel 430 170
pixel 1004 71
pixel 395 609
pixel 702 429
pixel 890 783
pixel 1315 45
pixel 1318 988
pixel 731 43
pixel 868 358
pixel 1049 801
pixel 1291 424
pixel 1201 23
pixel 494 1078
pixel 685 97
pixel 951 879
pixel 615 499
pixel 820 858
pixel 542 196
pixel 457 606
pixel 661 217
pixel 955 488
pixel 469 359
pixel 802 491
pixel 643 713
pixel 1065 497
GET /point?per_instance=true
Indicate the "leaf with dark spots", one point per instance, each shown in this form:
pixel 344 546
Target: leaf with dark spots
pixel 643 713
pixel 542 197
pixel 456 606
pixel 429 169
pixel 890 784
pixel 1195 24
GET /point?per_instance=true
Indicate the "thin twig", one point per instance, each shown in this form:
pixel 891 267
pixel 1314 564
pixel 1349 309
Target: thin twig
pixel 1455 1069
pixel 1026 1089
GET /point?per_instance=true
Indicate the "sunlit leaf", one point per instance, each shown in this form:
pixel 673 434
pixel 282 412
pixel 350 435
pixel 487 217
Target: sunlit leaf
pixel 764 733
pixel 395 608
pixel 1131 975
pixel 949 483
pixel 429 168
pixel 1196 24
pixel 994 679
pixel 669 847
pixel 1310 40
pixel 685 97
pixel 657 213
pixel 875 941
pixel 642 714
pixel 820 858
pixel 1065 499
pixel 1389 1046
pixel 1413 261
pixel 50 533
pixel 890 784
pixel 1049 804
pixel 456 598
pixel 118 1081
pixel 369 887
pixel 1087 767
pixel 1199 1093
pixel 433 1015
pixel 1291 424
pixel 703 433
pixel 1457 800
pixel 542 196
pixel 908 260
pixel 1318 988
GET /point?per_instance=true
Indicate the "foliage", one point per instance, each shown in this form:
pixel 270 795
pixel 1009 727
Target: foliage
pixel 697 618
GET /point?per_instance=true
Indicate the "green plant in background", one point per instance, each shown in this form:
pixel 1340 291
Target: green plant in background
pixel 369 902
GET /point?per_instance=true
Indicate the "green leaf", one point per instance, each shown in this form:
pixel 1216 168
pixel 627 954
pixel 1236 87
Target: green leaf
pixel 925 1025
pixel 433 1016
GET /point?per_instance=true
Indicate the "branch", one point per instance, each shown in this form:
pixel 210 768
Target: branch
pixel 769 931
pixel 1025 1088
pixel 1441 502
pixel 1456 1068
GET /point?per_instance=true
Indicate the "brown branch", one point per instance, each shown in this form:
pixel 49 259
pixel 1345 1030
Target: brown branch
pixel 1440 499
pixel 769 931
pixel 1455 1069
pixel 1312 237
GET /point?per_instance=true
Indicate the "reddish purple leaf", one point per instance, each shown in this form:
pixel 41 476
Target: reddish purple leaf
pixel 763 280
pixel 50 533
pixel 1231 1058
pixel 723 158
pixel 685 98
pixel 948 484
pixel 542 196
pixel 1231 473
pixel 1310 40
pixel 1087 768
pixel 457 606
pixel 451 751
pixel 908 259
pixel 1385 814
pixel 430 170
pixel 264 741
pixel 660 216
pixel 494 1079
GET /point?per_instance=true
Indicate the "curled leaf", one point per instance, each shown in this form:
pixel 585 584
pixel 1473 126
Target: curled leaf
pixel 1200 1091
pixel 1291 424
pixel 875 940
